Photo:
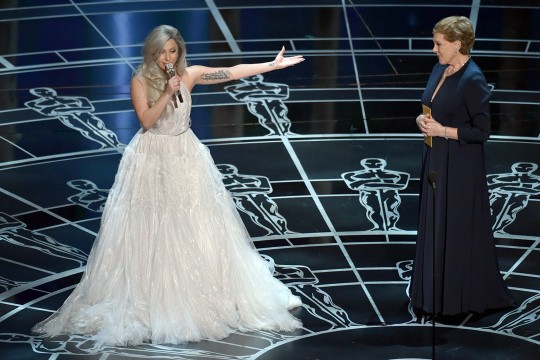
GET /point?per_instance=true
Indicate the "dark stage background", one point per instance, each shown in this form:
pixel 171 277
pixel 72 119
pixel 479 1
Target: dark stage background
pixel 65 115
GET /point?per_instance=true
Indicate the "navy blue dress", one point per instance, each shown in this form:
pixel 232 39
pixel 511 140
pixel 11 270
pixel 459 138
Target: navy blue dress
pixel 467 277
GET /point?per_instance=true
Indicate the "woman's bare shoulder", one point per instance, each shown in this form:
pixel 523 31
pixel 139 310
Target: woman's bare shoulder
pixel 138 77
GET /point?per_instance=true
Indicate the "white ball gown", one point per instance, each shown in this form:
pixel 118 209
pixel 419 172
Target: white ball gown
pixel 172 261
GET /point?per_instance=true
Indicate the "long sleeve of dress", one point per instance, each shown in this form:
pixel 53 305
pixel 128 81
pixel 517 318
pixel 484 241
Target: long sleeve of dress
pixel 476 95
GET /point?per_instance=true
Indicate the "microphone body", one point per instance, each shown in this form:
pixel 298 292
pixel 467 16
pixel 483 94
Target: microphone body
pixel 171 73
pixel 432 177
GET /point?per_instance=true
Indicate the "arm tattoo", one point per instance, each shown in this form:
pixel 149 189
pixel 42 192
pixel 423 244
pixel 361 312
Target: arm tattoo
pixel 271 64
pixel 217 75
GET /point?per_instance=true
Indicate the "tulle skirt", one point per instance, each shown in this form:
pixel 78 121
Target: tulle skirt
pixel 173 261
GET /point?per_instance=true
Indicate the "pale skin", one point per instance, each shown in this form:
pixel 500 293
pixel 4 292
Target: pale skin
pixel 194 75
pixel 448 53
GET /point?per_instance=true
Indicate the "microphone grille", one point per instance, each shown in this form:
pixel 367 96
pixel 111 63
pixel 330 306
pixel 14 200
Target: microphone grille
pixel 170 69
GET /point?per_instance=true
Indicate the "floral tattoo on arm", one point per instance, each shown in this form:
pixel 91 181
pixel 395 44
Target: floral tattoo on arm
pixel 216 75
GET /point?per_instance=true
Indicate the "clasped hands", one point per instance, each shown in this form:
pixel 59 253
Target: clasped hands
pixel 429 126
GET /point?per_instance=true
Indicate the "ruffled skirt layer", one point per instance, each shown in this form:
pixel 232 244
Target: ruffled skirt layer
pixel 173 261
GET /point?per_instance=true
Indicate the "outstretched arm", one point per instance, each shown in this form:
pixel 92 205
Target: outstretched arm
pixel 208 75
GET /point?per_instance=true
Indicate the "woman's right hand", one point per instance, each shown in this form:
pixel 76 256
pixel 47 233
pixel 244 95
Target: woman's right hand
pixel 173 85
pixel 421 122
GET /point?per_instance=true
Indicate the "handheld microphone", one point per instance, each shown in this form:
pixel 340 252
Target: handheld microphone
pixel 171 73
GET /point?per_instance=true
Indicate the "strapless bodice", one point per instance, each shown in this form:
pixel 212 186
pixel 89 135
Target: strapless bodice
pixel 175 120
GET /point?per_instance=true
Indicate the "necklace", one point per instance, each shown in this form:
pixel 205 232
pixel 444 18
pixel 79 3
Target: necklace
pixel 454 69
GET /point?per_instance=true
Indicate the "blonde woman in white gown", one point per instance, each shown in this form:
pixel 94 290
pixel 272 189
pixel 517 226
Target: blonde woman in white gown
pixel 172 261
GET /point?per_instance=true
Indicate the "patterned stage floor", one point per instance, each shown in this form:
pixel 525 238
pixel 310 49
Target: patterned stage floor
pixel 288 157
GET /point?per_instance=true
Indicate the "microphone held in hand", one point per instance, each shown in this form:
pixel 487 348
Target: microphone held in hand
pixel 432 177
pixel 171 73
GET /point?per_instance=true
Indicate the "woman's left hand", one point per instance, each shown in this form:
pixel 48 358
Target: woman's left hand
pixel 281 62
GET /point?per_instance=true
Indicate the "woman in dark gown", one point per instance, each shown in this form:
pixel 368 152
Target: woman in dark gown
pixel 454 204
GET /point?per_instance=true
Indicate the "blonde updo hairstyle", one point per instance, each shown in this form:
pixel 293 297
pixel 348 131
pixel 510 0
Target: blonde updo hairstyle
pixel 154 77
pixel 457 28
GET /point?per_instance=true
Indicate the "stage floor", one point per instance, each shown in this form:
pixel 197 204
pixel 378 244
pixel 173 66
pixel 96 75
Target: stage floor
pixel 291 139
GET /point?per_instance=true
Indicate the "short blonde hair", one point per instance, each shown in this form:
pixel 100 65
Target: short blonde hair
pixel 457 28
